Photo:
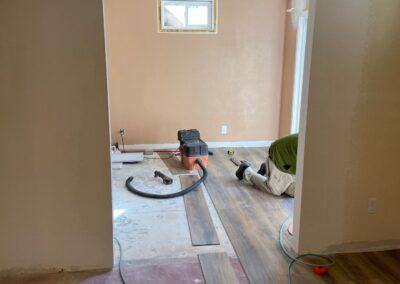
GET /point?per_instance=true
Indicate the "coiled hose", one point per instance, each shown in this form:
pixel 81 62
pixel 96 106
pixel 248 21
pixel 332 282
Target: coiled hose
pixel 328 261
pixel 171 195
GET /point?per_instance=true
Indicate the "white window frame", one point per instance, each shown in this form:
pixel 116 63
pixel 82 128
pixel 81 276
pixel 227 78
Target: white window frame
pixel 212 4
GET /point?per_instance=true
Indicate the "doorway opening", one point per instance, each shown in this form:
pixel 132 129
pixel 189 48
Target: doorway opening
pixel 173 84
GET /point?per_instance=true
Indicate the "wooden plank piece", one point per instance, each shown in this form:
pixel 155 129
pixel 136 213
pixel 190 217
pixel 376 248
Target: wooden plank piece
pixel 202 230
pixel 217 269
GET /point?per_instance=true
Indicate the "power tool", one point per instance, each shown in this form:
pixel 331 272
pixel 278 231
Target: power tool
pixel 166 179
pixel 192 148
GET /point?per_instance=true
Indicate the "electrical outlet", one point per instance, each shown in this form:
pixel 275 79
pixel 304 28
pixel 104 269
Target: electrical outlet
pixel 224 129
pixel 372 205
pixel 122 131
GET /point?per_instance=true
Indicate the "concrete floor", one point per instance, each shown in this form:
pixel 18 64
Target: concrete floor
pixel 154 235
pixel 149 228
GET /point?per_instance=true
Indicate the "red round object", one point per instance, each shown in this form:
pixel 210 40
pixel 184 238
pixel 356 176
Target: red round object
pixel 319 270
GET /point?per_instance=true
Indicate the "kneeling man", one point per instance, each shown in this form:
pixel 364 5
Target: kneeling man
pixel 277 174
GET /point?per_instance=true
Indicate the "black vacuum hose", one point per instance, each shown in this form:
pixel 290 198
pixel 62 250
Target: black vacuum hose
pixel 171 195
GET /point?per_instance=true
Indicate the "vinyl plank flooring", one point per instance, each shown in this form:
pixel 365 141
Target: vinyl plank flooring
pixel 250 217
pixel 387 265
pixel 254 238
pixel 368 267
pixel 202 230
pixel 226 191
pixel 252 220
pixel 217 269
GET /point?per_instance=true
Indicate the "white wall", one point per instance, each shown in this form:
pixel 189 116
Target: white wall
pixel 55 191
pixel 352 132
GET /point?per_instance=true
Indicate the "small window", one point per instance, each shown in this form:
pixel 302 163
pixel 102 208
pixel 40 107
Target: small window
pixel 187 15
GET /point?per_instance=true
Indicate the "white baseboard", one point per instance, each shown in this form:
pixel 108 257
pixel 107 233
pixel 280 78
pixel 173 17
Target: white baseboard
pixel 237 144
pixel 363 247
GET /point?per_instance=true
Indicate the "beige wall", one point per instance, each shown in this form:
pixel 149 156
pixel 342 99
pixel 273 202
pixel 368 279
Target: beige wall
pixel 160 83
pixel 55 205
pixel 352 132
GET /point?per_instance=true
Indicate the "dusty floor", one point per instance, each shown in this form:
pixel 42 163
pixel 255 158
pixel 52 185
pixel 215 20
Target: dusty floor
pixel 154 235
pixel 149 228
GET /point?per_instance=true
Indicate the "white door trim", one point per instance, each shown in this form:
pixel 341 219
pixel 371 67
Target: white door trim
pixel 299 70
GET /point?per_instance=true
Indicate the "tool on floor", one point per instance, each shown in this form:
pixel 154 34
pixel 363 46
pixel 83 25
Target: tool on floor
pixel 192 148
pixel 235 161
pixel 166 179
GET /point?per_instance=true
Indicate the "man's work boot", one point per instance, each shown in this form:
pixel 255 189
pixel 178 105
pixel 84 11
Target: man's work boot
pixel 262 170
pixel 243 166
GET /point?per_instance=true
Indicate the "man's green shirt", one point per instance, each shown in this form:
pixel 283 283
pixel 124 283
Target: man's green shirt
pixel 283 153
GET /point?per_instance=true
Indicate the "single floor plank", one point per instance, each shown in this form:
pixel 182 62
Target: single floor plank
pixel 202 230
pixel 217 269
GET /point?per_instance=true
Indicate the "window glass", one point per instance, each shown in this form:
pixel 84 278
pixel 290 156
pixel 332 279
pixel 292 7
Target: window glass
pixel 174 16
pixel 198 16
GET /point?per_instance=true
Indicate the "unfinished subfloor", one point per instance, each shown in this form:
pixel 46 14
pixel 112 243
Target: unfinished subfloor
pixel 156 240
